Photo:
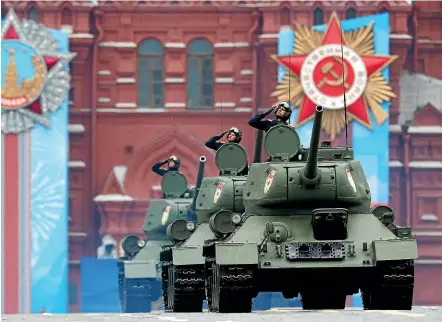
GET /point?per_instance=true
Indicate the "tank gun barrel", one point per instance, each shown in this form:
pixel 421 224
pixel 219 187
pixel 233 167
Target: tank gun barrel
pixel 258 146
pixel 310 169
pixel 199 180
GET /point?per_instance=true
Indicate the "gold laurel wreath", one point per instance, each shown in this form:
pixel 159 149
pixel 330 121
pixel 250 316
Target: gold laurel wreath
pixel 376 91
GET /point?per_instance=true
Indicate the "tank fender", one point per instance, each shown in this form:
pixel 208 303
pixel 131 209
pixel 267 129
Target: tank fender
pixel 395 249
pixel 236 254
pixel 140 269
pixel 188 255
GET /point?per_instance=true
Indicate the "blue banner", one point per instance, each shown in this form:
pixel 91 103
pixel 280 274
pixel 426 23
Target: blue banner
pixel 49 207
pixel 369 126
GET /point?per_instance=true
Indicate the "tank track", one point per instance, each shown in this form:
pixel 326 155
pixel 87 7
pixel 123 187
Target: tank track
pixel 183 287
pixel 232 288
pixel 136 294
pixel 392 288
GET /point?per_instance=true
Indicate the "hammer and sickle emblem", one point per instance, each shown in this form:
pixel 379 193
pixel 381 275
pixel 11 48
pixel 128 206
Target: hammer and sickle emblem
pixel 327 69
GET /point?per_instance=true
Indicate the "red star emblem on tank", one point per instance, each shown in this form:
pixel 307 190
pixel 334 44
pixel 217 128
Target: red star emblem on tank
pixel 317 75
pixel 269 180
pixel 218 191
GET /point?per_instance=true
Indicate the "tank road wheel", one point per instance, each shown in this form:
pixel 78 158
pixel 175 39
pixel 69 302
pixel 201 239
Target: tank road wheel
pixel 323 299
pixel 392 287
pixel 232 289
pixel 185 288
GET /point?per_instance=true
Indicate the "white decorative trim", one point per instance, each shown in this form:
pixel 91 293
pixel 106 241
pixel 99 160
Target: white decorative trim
pixel 245 99
pixel 156 188
pixel 243 109
pixel 126 105
pixel 175 45
pixel 125 80
pixel 67 29
pixel 425 129
pixel 76 164
pixel 225 104
pixel 268 36
pixel 430 41
pixel 81 36
pixel 429 217
pixel 231 44
pixel 134 110
pixel 104 72
pixel 104 100
pixel 120 173
pixel 395 164
pixel 224 80
pixel 428 261
pixel 395 128
pixel 112 197
pixel 117 44
pixel 246 72
pixel 76 128
pixel 77 234
pixel 174 80
pixel 175 105
pixel 401 36
pixel 428 233
pixel 426 164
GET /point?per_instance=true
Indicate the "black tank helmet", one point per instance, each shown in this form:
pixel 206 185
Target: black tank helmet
pixel 176 160
pixel 287 108
pixel 237 132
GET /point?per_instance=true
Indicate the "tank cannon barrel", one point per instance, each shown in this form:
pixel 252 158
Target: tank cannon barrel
pixel 258 146
pixel 310 169
pixel 199 180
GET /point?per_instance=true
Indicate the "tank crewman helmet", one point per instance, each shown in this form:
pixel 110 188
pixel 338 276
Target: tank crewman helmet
pixel 237 133
pixel 287 109
pixel 176 160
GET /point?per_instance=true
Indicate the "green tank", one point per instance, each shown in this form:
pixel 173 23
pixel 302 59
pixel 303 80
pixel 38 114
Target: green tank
pixel 219 198
pixel 139 269
pixel 308 228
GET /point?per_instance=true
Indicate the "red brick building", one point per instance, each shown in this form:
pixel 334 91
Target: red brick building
pixel 155 78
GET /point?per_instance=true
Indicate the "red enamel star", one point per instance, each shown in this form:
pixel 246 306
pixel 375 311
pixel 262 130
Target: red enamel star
pixel 11 34
pixel 332 36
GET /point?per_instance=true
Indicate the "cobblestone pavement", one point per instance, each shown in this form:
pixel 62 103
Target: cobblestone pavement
pixel 278 315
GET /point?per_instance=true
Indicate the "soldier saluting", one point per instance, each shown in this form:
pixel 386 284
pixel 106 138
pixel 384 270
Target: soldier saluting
pixel 234 135
pixel 173 164
pixel 283 111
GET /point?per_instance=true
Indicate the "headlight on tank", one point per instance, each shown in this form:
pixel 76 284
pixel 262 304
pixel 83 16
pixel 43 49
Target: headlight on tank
pixel 190 226
pixel 236 219
pixel 141 243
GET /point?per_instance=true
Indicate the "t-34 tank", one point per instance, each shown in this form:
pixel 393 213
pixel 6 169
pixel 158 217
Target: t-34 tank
pixel 139 269
pixel 219 198
pixel 308 228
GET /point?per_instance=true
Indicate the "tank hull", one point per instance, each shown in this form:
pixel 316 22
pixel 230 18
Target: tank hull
pixel 373 258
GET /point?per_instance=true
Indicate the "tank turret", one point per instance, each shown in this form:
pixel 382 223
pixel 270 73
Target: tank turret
pixel 298 180
pixel 224 191
pixel 162 212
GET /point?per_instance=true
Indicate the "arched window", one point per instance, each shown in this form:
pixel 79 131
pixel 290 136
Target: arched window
pixel 33 14
pixel 150 74
pixel 66 17
pixel 199 74
pixel 318 17
pixel 350 13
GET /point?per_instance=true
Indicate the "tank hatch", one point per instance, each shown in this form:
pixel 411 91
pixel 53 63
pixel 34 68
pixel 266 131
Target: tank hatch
pixel 231 159
pixel 282 143
pixel 174 184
